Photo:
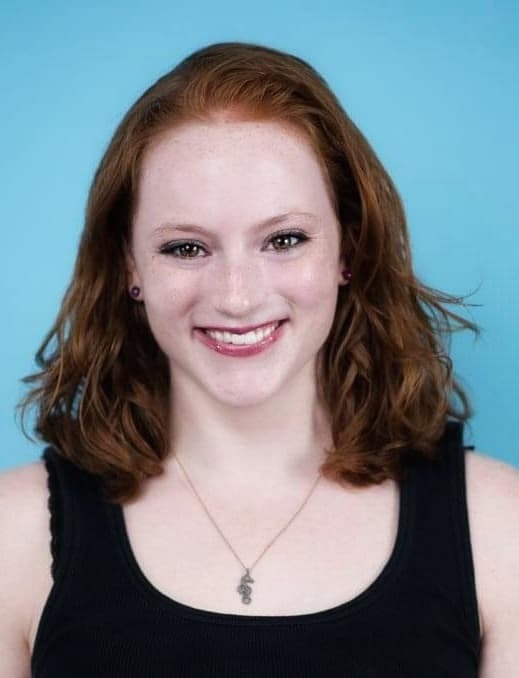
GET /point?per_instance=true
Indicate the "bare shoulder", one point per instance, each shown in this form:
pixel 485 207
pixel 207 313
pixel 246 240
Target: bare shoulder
pixel 490 471
pixel 493 507
pixel 22 483
pixel 23 503
pixel 24 561
pixel 492 498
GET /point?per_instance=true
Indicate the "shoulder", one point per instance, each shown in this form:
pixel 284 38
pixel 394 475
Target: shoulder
pixel 24 479
pixel 24 558
pixel 23 502
pixel 24 519
pixel 492 498
pixel 492 487
pixel 493 508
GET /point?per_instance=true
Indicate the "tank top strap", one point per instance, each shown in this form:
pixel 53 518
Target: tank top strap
pixel 83 546
pixel 89 581
pixel 442 553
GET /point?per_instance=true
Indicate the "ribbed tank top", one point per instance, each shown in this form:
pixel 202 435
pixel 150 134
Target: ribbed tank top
pixel 417 619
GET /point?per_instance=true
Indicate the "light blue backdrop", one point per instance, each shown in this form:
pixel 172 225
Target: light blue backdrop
pixel 433 87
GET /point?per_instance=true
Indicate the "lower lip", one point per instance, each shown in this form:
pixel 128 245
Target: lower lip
pixel 244 350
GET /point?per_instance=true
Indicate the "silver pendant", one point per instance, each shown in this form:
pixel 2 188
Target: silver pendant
pixel 244 589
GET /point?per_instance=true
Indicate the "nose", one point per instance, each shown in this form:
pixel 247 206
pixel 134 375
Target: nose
pixel 238 288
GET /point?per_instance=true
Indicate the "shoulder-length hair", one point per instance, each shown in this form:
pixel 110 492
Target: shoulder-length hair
pixel 102 390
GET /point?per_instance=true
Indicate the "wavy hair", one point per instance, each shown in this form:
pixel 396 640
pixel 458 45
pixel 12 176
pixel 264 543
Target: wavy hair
pixel 101 392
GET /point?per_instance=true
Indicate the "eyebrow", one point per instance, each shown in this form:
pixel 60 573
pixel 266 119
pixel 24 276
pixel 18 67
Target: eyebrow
pixel 259 226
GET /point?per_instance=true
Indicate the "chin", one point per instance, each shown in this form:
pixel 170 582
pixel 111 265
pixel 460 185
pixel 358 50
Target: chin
pixel 245 397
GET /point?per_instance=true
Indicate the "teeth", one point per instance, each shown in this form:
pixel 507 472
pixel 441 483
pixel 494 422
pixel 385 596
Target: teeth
pixel 248 339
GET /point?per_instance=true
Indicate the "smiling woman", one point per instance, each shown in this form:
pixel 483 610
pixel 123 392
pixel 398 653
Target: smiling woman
pixel 255 461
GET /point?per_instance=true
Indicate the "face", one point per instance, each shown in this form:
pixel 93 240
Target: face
pixel 234 230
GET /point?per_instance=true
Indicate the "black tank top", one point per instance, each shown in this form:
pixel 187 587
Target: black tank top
pixel 418 619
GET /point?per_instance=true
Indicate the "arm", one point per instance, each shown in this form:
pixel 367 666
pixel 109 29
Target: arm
pixel 24 564
pixel 493 505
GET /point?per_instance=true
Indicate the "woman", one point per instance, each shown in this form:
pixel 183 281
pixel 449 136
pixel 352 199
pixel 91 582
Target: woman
pixel 255 466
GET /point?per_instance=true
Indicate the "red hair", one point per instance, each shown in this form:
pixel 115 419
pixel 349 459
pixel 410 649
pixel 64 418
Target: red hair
pixel 102 390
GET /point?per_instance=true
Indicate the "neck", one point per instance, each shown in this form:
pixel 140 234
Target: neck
pixel 282 438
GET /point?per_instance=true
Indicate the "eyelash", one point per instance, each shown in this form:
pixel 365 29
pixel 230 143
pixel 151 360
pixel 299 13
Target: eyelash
pixel 171 248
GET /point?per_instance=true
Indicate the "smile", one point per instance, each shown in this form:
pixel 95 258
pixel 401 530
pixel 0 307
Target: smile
pixel 241 345
pixel 249 338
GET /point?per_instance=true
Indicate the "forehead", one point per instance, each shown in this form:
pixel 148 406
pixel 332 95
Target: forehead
pixel 204 141
pixel 197 164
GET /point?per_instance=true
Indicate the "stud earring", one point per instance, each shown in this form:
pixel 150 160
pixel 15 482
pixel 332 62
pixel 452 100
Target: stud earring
pixel 135 291
pixel 346 274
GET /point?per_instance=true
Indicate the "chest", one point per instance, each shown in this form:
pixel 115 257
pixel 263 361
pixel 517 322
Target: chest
pixel 331 552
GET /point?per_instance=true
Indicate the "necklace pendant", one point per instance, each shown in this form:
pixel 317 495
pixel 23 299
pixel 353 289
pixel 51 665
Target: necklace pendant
pixel 244 589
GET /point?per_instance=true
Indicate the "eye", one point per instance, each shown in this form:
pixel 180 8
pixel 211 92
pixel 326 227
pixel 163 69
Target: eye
pixel 183 250
pixel 284 242
pixel 190 249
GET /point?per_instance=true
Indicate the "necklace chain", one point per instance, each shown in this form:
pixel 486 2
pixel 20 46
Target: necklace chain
pixel 244 589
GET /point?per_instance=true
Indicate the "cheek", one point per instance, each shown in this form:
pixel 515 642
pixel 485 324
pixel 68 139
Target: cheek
pixel 314 285
pixel 314 296
pixel 168 298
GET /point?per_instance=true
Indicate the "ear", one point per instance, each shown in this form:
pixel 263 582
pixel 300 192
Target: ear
pixel 132 277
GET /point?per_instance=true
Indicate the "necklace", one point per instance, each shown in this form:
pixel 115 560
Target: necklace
pixel 244 587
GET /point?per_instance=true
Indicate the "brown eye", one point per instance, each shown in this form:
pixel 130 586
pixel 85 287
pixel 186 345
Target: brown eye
pixel 287 241
pixel 183 250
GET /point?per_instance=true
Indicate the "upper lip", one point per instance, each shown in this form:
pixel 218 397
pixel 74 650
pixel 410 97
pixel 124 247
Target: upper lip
pixel 241 330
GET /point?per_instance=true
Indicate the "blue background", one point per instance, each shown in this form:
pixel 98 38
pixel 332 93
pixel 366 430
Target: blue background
pixel 434 89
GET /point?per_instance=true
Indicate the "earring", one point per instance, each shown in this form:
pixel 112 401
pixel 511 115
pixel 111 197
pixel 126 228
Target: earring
pixel 346 274
pixel 135 291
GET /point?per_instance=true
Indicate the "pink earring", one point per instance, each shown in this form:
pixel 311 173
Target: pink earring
pixel 135 291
